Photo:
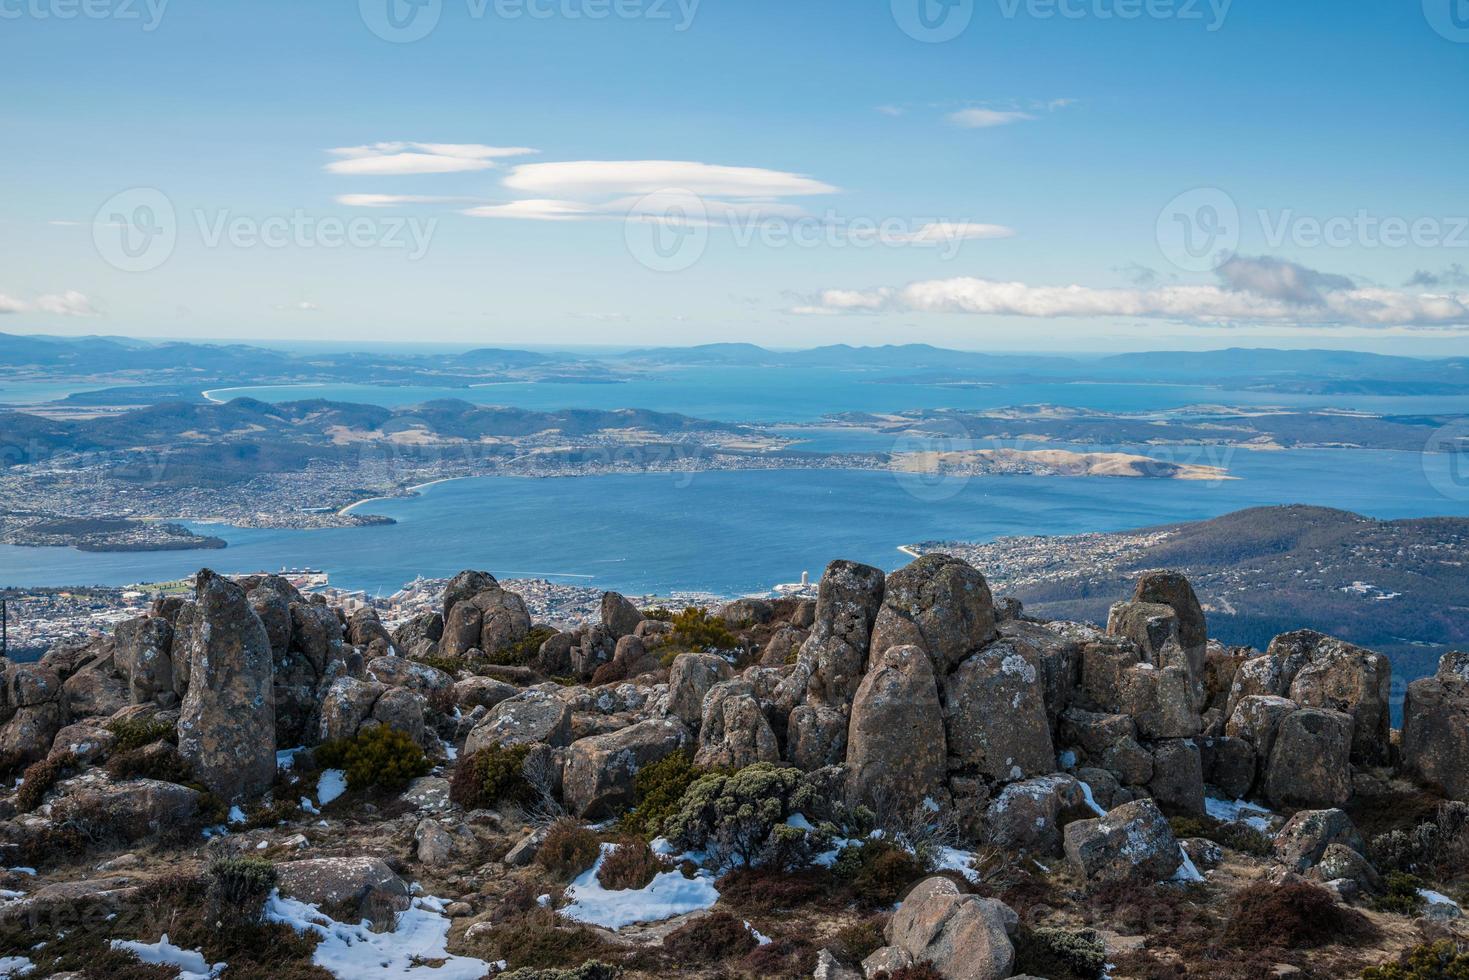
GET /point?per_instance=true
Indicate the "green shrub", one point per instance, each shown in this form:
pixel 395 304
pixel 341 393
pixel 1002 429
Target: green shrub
pixel 540 939
pixel 695 629
pixel 523 651
pixel 740 817
pixel 1235 836
pixel 1437 845
pixel 491 776
pixel 161 762
pixel 632 865
pixel 238 888
pixel 568 849
pixel 377 756
pixel 658 789
pixel 1401 895
pixel 1430 961
pixel 134 733
pixel 449 665
pixel 1060 954
pixel 878 872
pixel 40 777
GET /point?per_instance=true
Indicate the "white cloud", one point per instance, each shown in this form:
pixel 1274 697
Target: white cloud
pixel 590 178
pixel 390 200
pixel 890 110
pixel 538 210
pixel 987 118
pixel 69 303
pixel 943 232
pixel 397 158
pixel 1256 291
pixel 305 306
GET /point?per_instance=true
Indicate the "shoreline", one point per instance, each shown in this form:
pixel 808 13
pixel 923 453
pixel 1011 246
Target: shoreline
pixel 413 491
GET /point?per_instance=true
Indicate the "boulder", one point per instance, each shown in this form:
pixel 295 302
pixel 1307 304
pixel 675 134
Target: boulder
pixel 1178 776
pixel 816 737
pixel 1436 733
pixel 529 717
pixel 397 672
pixel 1173 590
pixel 364 628
pixel 783 647
pixel 345 704
pixel 1057 658
pixel 1229 765
pixel 1256 720
pixel 1340 862
pixel 132 810
pixel 940 604
pixel 964 937
pixel 594 646
pixel 619 616
pixel 691 678
pixel 273 607
pixel 88 742
pixel 96 691
pixel 432 843
pixel 1104 665
pixel 1129 762
pixel 465 585
pixel 1353 680
pixel 742 613
pixel 482 692
pixel 848 600
pixel 226 728
pixel 1132 842
pixel 598 779
pixel 1310 762
pixel 995 716
pixel 1161 700
pixel 1094 732
pixel 895 740
pixel 1029 815
pixel 1304 839
pixel 143 655
pixel 339 881
pixel 316 636
pixel 734 732
pixel 402 709
pixel 554 656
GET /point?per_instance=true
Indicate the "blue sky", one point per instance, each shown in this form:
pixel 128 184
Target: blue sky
pixel 1086 174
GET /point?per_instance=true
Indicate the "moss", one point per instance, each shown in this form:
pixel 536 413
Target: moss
pixel 631 866
pixel 878 872
pixel 490 777
pixel 1430 961
pixel 1401 896
pixel 568 850
pixel 41 777
pixel 1060 954
pixel 134 733
pixel 375 757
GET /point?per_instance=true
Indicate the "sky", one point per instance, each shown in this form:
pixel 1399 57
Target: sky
pixel 1038 175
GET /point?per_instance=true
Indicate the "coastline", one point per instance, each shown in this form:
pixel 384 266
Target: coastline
pixel 412 491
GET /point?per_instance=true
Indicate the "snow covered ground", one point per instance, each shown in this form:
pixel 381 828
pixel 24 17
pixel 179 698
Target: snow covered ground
pixel 667 895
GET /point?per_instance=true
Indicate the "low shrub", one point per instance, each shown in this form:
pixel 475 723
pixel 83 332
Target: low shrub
pixel 716 937
pixel 612 672
pixel 491 776
pixel 1430 961
pixel 592 970
pixel 568 850
pixel 1235 836
pixel 542 940
pixel 918 971
pixel 658 789
pixel 1060 954
pixel 522 651
pixel 741 818
pixel 1400 896
pixel 375 757
pixel 632 865
pixel 134 733
pixel 41 777
pixel 697 630
pixel 878 872
pixel 238 888
pixel 11 763
pixel 783 957
pixel 161 762
pixel 273 814
pixel 772 890
pixel 854 943
pixel 1294 915
pixel 449 665
pixel 1436 846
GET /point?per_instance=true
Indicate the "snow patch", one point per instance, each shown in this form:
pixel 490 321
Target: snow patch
pixel 1091 801
pixel 350 952
pixel 332 784
pixel 189 962
pixel 1436 898
pixel 1187 871
pixel 15 966
pixel 1227 811
pixel 667 895
pixel 953 859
